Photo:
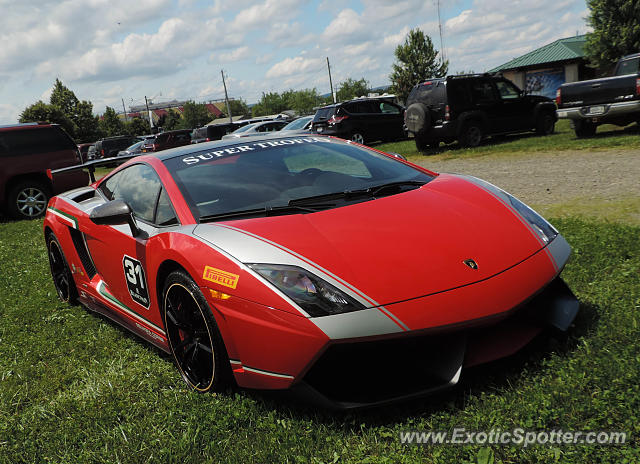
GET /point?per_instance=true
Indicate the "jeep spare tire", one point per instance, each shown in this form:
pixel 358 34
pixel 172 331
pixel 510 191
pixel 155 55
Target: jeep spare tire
pixel 417 118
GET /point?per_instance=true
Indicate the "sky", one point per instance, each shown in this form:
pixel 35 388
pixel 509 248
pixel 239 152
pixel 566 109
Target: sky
pixel 108 51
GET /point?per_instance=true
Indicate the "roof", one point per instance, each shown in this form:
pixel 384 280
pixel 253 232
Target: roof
pixel 570 48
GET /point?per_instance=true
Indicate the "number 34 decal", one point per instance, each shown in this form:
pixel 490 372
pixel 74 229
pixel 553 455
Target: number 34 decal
pixel 136 280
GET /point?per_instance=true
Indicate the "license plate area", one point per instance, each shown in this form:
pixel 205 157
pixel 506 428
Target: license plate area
pixel 599 109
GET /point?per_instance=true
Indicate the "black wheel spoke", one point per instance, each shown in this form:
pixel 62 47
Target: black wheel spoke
pixel 189 337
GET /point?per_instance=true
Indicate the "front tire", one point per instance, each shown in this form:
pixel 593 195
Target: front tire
pixel 357 137
pixel 28 199
pixel 193 335
pixel 60 272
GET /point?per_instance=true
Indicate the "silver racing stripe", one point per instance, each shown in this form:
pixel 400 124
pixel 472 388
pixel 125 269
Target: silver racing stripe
pixel 246 247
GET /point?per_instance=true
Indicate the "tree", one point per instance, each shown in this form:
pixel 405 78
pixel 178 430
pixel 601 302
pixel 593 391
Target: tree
pixel 172 121
pixel 352 89
pixel 136 126
pixel 41 111
pixel 195 115
pixel 64 99
pixel 616 31
pixel 110 124
pixel 86 124
pixel 417 60
pixel 239 108
pixel 270 103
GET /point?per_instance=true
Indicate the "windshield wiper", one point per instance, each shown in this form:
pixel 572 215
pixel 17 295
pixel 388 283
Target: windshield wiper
pixel 372 192
pixel 266 211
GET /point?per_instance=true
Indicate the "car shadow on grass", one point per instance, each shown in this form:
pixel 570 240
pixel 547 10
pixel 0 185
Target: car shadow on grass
pixel 501 375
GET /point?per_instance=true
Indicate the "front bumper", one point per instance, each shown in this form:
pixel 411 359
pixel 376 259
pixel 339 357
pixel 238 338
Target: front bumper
pixel 373 373
pixel 605 111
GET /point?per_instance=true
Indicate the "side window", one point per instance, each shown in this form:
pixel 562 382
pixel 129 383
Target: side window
pixel 507 91
pixel 165 216
pixel 388 108
pixel 139 186
pixel 482 92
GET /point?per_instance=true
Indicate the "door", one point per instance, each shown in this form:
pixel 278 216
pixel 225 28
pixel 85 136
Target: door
pixel 485 100
pixel 516 111
pixel 391 121
pixel 119 257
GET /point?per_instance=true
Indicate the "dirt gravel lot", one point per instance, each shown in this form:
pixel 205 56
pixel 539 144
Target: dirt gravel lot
pixel 577 179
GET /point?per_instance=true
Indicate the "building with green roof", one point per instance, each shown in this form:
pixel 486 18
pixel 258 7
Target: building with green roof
pixel 542 71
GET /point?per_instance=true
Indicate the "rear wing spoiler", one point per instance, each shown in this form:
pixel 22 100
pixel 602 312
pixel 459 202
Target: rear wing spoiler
pixel 91 166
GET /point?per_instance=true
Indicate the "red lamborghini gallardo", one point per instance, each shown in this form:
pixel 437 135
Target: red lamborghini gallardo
pixel 309 263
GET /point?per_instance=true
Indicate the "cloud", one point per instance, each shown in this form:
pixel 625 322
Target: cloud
pixel 297 65
pixel 235 55
pixel 264 13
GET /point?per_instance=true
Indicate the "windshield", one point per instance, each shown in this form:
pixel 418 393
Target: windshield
pixel 245 128
pixel 298 123
pixel 278 172
pixel 135 146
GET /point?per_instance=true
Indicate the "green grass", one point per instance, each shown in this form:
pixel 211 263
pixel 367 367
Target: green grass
pixel 608 137
pixel 76 388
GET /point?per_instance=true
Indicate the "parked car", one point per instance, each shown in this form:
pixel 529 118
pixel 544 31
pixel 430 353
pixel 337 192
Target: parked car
pixel 166 140
pixel 467 108
pixel 83 148
pixel 91 153
pixel 110 146
pixel 611 100
pixel 361 120
pixel 298 126
pixel 26 152
pixel 275 263
pixel 134 149
pixel 256 129
pixel 212 132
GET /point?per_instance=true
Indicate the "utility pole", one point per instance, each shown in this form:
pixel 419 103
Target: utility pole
pixel 226 97
pixel 333 94
pixel 124 110
pixel 146 102
pixel 442 54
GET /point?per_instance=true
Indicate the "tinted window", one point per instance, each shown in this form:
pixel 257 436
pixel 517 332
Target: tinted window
pixel 165 216
pixel 138 185
pixel 482 91
pixel 389 108
pixel 507 90
pixel 271 173
pixel 32 141
pixel 628 67
pixel 324 113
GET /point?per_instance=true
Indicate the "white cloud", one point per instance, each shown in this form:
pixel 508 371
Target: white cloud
pixel 236 55
pixel 264 13
pixel 297 65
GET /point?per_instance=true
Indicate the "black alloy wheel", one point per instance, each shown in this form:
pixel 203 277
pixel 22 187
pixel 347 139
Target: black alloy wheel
pixel 193 336
pixel 471 135
pixel 545 125
pixel 62 277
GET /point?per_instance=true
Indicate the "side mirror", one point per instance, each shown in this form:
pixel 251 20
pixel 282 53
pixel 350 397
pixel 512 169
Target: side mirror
pixel 397 155
pixel 114 212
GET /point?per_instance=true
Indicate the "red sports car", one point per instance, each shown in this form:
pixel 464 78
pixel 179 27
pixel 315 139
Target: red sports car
pixel 309 263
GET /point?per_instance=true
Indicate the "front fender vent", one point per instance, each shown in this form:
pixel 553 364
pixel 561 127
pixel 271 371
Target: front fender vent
pixel 81 248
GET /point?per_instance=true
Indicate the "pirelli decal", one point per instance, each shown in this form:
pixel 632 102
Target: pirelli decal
pixel 220 277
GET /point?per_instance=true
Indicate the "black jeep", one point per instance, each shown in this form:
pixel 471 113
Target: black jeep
pixel 467 108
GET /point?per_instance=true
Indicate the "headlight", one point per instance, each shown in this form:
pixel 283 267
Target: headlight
pixel 540 225
pixel 310 292
pixel 545 230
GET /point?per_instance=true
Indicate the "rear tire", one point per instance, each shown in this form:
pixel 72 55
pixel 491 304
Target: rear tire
pixel 584 128
pixel 193 335
pixel 60 272
pixel 471 134
pixel 545 124
pixel 28 199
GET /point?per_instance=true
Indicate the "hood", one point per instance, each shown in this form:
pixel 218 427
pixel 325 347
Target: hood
pixel 393 248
